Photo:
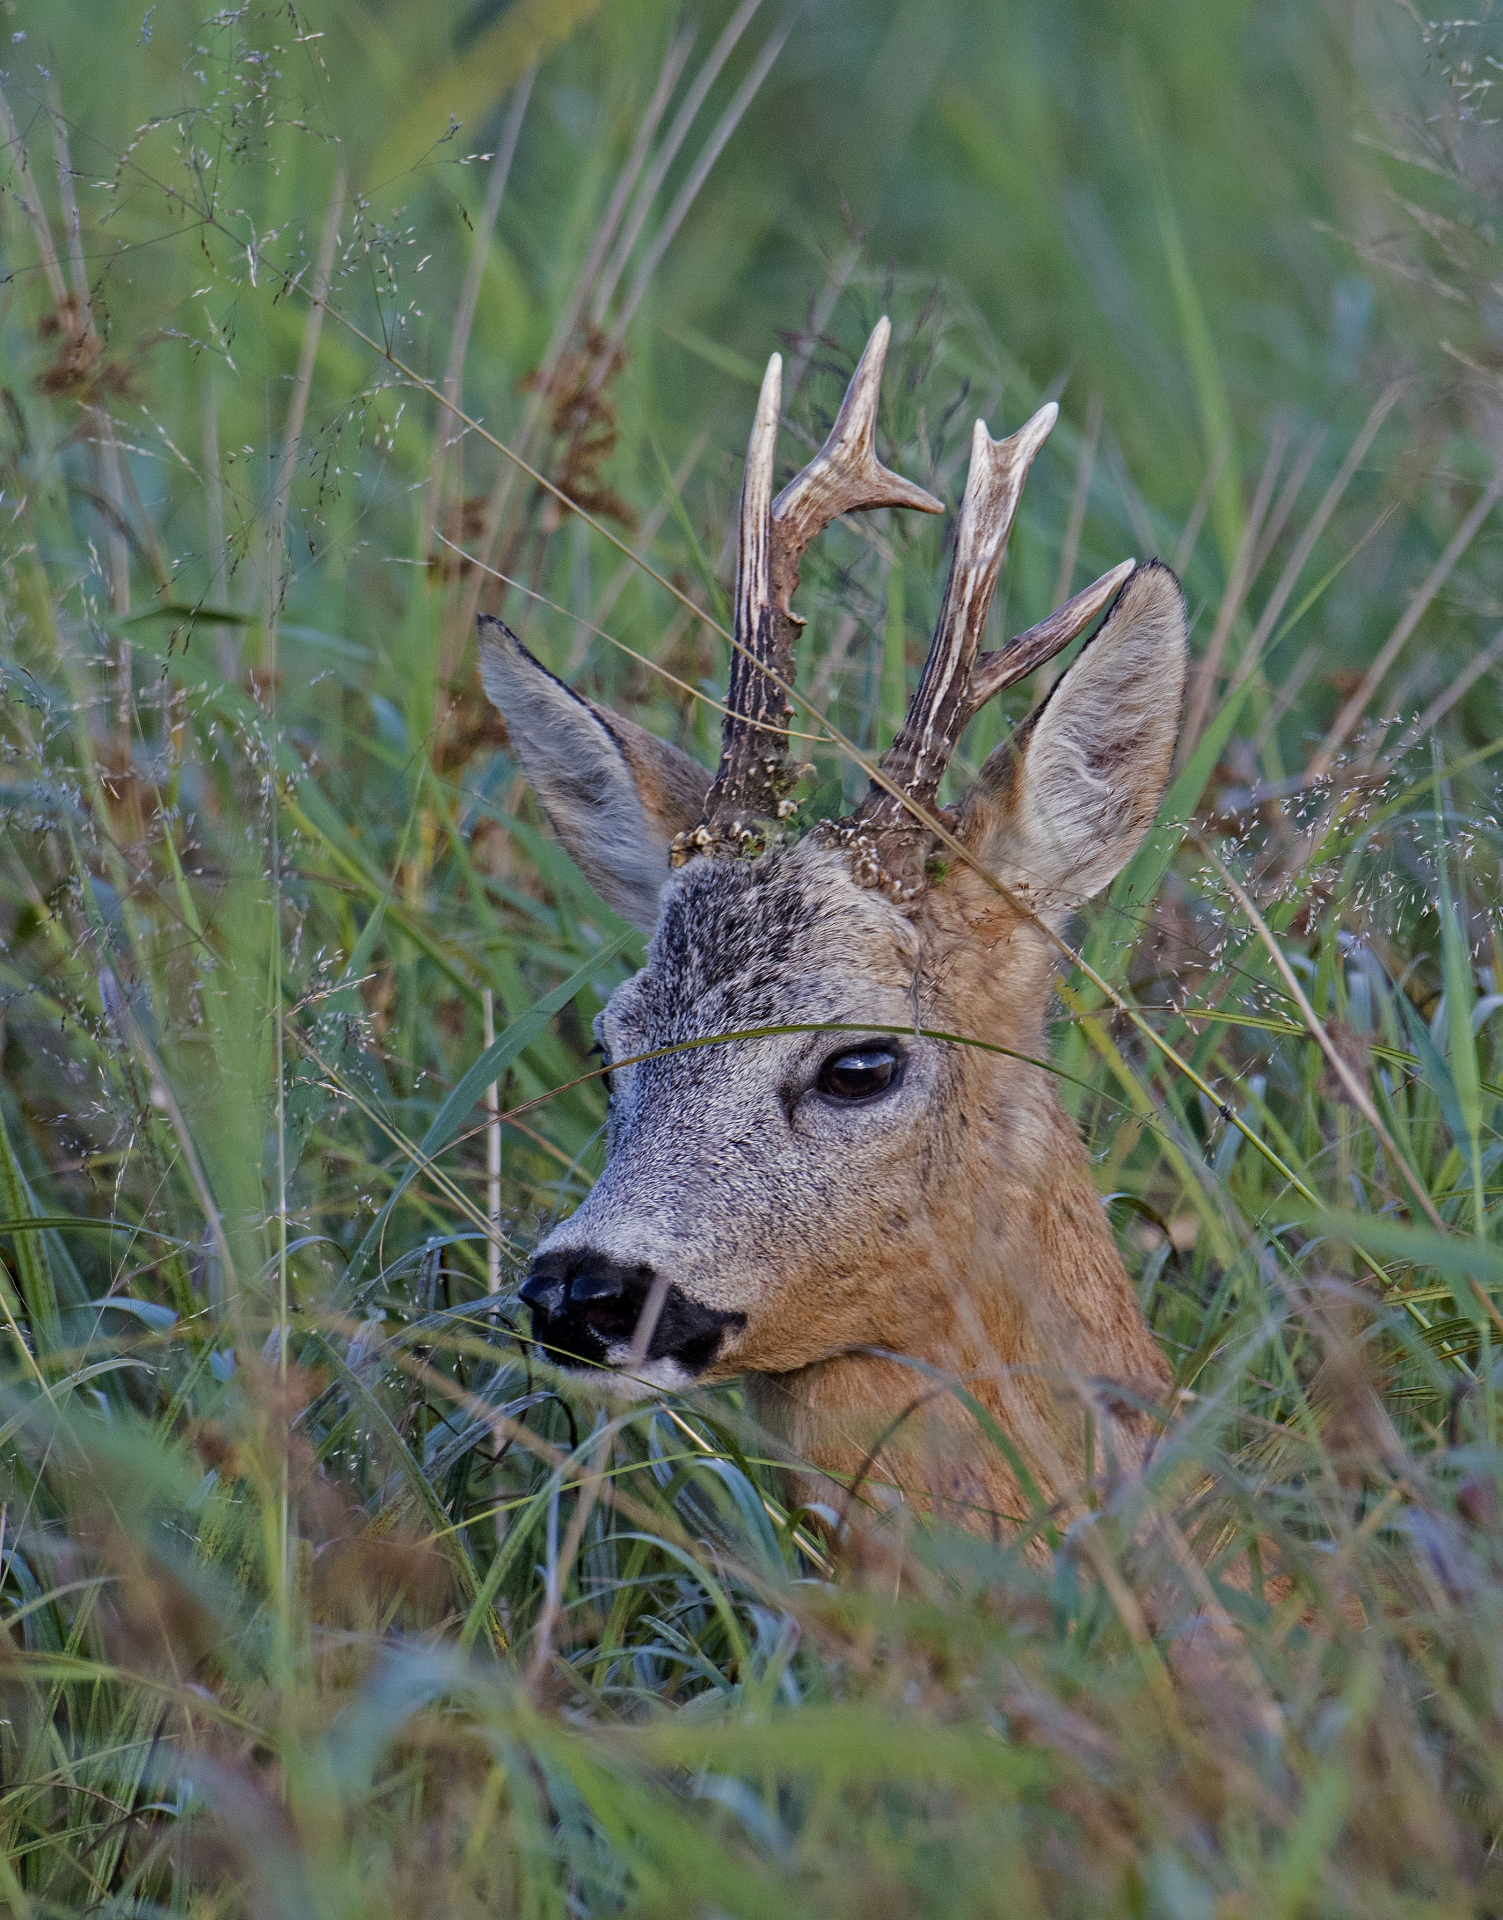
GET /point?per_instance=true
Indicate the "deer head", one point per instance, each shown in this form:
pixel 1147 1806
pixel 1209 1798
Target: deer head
pixel 810 1206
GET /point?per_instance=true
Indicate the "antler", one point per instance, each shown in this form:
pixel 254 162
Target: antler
pixel 885 830
pixel 994 671
pixel 845 476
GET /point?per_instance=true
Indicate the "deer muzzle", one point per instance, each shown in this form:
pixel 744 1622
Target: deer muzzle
pixel 590 1310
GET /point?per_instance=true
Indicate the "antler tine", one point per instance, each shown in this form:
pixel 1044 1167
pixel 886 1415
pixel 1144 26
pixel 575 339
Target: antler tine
pixel 845 476
pixel 915 762
pixel 1025 651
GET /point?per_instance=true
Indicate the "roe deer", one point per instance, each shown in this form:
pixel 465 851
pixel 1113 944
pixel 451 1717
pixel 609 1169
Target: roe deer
pixel 848 1214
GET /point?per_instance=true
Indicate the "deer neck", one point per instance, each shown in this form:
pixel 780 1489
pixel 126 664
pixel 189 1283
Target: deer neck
pixel 1038 1330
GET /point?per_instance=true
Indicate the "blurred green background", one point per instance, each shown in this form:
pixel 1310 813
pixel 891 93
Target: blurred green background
pixel 1210 217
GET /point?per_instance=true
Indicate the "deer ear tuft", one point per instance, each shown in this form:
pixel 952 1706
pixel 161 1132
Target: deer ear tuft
pixel 1057 811
pixel 614 793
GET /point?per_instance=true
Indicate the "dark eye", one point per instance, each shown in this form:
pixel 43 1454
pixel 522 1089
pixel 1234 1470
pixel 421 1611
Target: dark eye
pixel 860 1074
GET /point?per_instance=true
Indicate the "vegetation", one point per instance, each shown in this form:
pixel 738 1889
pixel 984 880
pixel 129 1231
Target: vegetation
pixel 320 1595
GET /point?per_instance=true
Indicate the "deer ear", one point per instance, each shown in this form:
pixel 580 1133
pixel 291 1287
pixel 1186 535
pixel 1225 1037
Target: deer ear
pixel 614 793
pixel 1057 811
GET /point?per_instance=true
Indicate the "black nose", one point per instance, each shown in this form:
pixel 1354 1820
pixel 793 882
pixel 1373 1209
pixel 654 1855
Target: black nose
pixel 587 1307
pixel 584 1304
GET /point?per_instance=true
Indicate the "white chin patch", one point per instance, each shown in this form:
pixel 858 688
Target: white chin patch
pixel 666 1376
pixel 629 1383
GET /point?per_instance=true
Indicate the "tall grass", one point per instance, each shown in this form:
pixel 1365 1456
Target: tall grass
pixel 321 1595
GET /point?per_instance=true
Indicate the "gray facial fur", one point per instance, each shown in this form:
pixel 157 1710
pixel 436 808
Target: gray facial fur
pixel 727 1172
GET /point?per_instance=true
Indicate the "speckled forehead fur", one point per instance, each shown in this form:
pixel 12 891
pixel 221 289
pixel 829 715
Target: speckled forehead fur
pixel 780 940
